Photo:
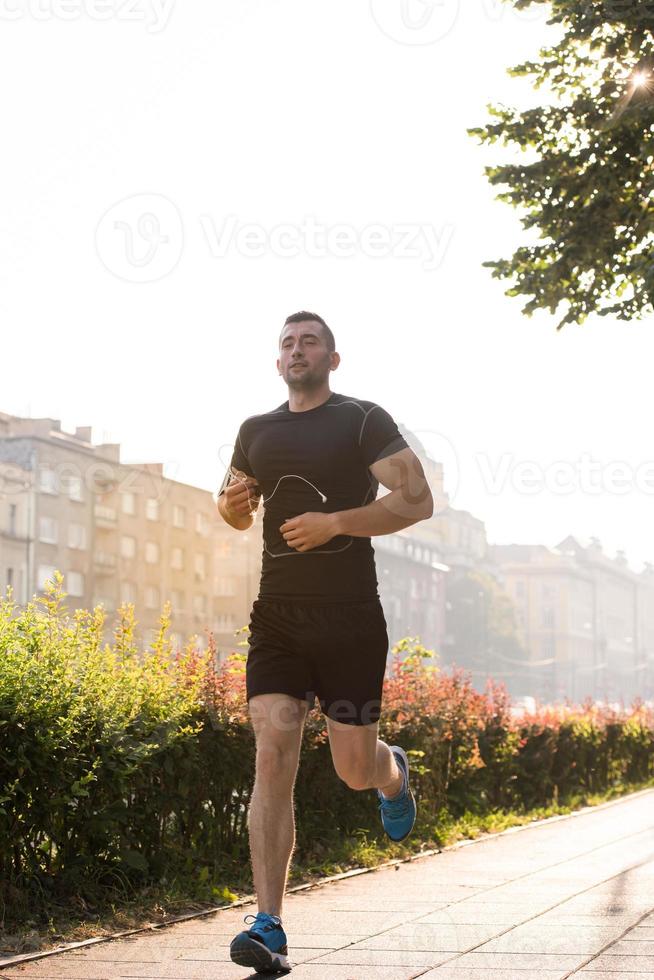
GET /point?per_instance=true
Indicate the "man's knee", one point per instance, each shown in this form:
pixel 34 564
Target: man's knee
pixel 276 760
pixel 358 779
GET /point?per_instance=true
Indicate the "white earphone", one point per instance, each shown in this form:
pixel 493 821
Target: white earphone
pixel 322 495
pixel 286 476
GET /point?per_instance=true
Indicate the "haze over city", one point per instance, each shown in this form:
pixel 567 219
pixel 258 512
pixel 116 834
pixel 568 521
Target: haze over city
pixel 347 184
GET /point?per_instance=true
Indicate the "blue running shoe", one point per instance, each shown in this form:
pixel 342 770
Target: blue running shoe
pixel 398 814
pixel 263 946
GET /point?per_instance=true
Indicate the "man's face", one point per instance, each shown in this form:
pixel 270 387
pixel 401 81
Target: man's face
pixel 304 359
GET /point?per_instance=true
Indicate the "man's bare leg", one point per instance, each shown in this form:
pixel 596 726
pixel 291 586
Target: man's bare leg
pixel 361 759
pixel 385 761
pixel 278 722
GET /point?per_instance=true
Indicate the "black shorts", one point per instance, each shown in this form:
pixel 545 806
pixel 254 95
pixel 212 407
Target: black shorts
pixel 336 653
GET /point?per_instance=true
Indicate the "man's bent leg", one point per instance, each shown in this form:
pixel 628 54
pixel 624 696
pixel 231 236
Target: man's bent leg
pixel 278 722
pixel 361 759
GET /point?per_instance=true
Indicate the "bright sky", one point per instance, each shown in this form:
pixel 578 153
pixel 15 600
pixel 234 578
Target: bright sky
pixel 178 178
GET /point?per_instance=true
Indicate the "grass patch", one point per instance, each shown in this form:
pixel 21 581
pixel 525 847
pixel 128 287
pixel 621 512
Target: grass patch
pixel 183 895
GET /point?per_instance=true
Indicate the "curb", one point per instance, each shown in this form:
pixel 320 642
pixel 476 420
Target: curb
pixel 353 872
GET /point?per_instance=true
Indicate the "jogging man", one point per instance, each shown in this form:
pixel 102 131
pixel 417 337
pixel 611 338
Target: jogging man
pixel 317 628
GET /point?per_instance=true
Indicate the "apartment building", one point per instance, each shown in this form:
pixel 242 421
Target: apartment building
pixel 416 565
pixel 412 583
pixel 16 505
pixel 587 619
pixel 120 533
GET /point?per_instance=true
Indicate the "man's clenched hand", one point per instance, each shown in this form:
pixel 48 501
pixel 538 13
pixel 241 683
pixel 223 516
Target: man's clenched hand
pixel 309 530
pixel 241 498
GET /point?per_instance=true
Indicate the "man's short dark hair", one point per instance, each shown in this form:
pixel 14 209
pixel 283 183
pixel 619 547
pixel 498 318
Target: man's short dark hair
pixel 304 315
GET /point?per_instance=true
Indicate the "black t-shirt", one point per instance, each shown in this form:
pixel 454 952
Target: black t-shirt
pixel 316 460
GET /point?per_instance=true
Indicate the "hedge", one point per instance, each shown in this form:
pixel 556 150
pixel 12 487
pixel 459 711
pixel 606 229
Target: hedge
pixel 124 768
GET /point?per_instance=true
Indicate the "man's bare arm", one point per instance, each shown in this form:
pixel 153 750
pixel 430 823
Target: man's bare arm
pixel 409 501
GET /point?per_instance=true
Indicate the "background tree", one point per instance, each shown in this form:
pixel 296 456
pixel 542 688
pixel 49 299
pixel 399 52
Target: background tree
pixel 483 627
pixel 589 185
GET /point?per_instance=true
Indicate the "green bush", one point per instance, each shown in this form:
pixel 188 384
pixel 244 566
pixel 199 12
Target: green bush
pixel 120 769
pixel 93 739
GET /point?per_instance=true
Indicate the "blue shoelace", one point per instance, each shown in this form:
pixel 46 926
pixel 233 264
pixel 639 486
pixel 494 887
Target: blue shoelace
pixel 265 921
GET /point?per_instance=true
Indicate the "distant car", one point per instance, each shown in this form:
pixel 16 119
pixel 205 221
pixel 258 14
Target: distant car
pixel 523 705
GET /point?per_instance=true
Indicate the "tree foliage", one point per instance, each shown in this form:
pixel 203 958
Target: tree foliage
pixel 589 185
pixel 484 629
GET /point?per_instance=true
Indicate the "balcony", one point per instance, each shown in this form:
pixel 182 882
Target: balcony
pixel 12 535
pixel 104 563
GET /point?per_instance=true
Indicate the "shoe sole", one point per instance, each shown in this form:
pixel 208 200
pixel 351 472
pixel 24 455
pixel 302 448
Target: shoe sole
pixel 394 749
pixel 248 952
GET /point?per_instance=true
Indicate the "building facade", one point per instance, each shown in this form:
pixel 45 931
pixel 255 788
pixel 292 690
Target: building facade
pixel 411 581
pixel 586 619
pixel 120 533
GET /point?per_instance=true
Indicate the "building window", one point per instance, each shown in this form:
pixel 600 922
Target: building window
pixel 127 546
pixel 45 573
pixel 152 509
pixel 225 586
pixel 151 552
pixel 520 588
pixel 128 503
pixel 225 623
pixel 76 536
pixel 224 549
pixel 75 488
pixel 202 523
pixel 179 516
pixel 177 558
pixel 48 530
pixel 75 583
pixel 10 577
pixel 104 559
pixel 177 601
pixel 199 605
pixel 127 592
pixel 12 519
pixel 47 480
pixel 548 617
pixel 105 601
pixel 200 568
pixel 151 597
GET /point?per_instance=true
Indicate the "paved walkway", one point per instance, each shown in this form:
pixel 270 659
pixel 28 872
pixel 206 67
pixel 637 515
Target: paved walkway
pixel 573 897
